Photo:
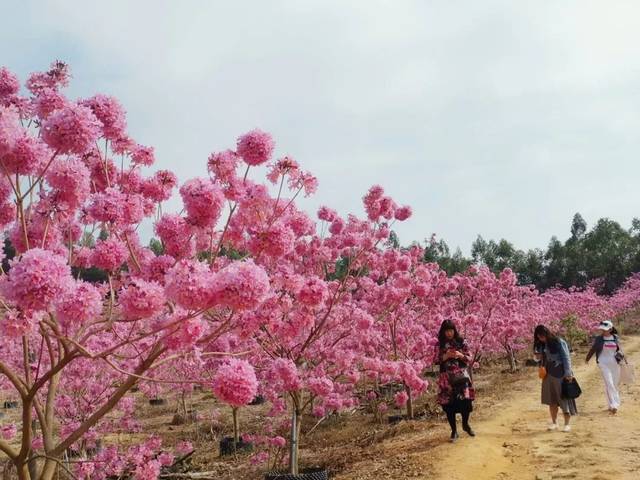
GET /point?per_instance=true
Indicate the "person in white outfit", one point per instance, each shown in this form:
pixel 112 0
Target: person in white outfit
pixel 606 348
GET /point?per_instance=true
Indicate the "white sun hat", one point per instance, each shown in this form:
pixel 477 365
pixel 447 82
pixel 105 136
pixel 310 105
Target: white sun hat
pixel 605 325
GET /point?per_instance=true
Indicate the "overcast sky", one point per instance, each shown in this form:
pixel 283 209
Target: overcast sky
pixel 497 118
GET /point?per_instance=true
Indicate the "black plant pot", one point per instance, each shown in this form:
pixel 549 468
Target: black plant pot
pixel 11 404
pixel 227 446
pixel 156 402
pixel 306 474
pixel 395 418
pixel 259 400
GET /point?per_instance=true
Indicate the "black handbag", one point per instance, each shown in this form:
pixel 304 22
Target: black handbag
pixel 570 389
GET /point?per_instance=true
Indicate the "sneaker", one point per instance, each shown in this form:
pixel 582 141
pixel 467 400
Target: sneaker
pixel 552 426
pixel 469 431
pixel 567 428
pixel 614 411
pixel 454 438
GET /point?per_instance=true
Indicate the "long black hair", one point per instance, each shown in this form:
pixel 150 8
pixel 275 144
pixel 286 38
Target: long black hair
pixel 613 331
pixel 552 339
pixel 448 325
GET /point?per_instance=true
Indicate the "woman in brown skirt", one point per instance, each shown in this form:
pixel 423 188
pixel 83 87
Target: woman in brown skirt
pixel 553 352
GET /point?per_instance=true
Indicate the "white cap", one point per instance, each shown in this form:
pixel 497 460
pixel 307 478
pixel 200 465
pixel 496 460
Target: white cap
pixel 605 325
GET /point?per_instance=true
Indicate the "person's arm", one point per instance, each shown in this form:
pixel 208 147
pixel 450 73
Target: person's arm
pixel 595 348
pixel 566 358
pixel 463 354
pixel 592 351
pixel 537 353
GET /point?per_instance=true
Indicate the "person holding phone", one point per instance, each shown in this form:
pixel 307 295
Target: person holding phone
pixel 455 388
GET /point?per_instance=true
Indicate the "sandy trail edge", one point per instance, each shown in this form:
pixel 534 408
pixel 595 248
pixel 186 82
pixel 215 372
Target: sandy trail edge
pixel 512 441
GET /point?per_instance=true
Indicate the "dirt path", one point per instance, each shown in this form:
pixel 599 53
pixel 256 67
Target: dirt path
pixel 512 441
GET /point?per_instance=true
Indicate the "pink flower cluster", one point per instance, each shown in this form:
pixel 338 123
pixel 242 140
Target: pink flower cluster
pixel 235 382
pixel 255 147
pixel 36 280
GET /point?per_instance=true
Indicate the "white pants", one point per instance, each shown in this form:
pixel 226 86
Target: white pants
pixel 611 375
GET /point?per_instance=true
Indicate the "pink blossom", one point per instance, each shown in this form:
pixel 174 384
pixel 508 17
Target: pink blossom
pixel 186 334
pixel 242 285
pixel 278 441
pixel 166 459
pixel 71 129
pixel 7 213
pixel 337 226
pixel 16 324
pixel 235 382
pixel 191 284
pixel 9 84
pixel 320 386
pixel 183 447
pixel 401 399
pixel 133 211
pixel 362 319
pixel 79 304
pixel 284 372
pixel 27 156
pixel 155 269
pixel 149 470
pixel 48 101
pixel 277 241
pixel 223 165
pixel 403 213
pixel 70 177
pixel 141 155
pixel 203 201
pixel 106 206
pixel 57 76
pixel 8 431
pixel 36 279
pixel 176 235
pixel 85 470
pixel 313 292
pixel 110 113
pixel 10 130
pixel 259 458
pixel 158 188
pixel 141 299
pixel 255 147
pixel 327 214
pixel 109 254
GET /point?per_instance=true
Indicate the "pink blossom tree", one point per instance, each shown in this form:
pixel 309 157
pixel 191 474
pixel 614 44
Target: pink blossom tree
pixel 69 170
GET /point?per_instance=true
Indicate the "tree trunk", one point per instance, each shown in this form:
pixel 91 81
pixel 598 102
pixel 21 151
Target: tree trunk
pixel 236 430
pixel 513 364
pixel 295 436
pixel 409 402
pixel 23 472
pixel 49 470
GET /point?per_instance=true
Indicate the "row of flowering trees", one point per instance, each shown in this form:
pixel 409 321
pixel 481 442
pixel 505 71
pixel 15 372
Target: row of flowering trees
pixel 246 293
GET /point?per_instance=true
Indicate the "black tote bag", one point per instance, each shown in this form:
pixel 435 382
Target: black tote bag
pixel 571 389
